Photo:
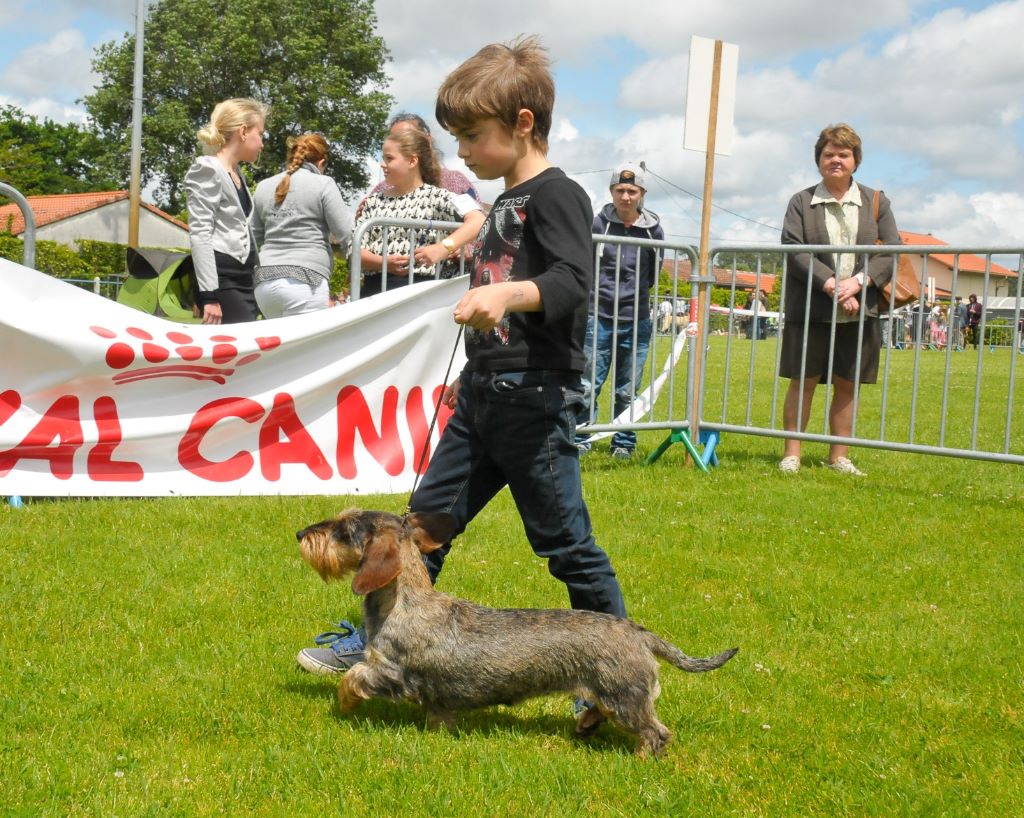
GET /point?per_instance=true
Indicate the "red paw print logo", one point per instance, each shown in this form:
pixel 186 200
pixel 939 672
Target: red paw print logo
pixel 179 356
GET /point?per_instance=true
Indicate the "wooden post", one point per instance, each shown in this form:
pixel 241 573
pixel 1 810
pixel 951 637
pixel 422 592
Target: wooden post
pixel 699 306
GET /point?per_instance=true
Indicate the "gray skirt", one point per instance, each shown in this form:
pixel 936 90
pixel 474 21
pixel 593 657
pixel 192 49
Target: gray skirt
pixel 844 358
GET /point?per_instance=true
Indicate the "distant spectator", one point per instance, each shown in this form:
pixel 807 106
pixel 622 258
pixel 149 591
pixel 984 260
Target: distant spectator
pixel 934 324
pixel 974 310
pixel 959 324
pixel 450 179
pixel 219 207
pixel 297 212
pixel 757 302
pixel 411 169
pixel 626 274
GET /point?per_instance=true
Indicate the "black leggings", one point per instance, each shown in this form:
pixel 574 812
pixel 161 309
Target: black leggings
pixel 237 305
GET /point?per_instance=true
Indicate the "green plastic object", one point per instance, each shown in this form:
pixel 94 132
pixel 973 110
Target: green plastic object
pixel 161 283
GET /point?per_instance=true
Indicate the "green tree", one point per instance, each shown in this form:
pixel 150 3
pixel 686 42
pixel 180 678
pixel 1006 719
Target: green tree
pixel 317 63
pixel 47 157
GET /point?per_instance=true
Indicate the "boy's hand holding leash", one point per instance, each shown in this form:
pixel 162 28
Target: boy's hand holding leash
pixel 482 308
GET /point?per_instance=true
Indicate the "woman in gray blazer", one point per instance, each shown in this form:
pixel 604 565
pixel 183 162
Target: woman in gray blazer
pixel 295 214
pixel 836 211
pixel 219 206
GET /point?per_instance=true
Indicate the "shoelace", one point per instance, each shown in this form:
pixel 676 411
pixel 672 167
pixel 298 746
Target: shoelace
pixel 347 637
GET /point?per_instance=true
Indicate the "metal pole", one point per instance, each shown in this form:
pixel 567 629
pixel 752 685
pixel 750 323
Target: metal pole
pixel 134 194
pixel 28 257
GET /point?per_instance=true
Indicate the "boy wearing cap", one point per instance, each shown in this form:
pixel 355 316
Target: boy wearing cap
pixel 515 402
pixel 626 274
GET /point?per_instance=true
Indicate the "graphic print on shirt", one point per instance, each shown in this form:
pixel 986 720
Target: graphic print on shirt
pixel 496 249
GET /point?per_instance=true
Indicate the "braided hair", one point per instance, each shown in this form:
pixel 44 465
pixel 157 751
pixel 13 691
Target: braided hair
pixel 310 147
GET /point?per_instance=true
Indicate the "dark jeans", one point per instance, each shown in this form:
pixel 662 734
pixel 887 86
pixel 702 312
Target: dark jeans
pixel 629 369
pixel 516 429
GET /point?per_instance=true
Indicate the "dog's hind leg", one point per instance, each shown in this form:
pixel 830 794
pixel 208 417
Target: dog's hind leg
pixel 636 715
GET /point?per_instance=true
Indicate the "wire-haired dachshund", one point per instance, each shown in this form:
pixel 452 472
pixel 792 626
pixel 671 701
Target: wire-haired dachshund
pixel 449 654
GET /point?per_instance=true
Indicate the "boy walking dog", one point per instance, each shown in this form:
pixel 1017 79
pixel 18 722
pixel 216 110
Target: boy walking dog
pixel 525 314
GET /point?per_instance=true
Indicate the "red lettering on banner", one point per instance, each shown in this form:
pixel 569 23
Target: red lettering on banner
pixel 298 448
pixel 282 437
pixel 354 415
pixel 60 422
pixel 419 426
pixel 10 402
pixel 100 463
pixel 236 466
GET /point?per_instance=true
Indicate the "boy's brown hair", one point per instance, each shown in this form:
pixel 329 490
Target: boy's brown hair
pixel 499 81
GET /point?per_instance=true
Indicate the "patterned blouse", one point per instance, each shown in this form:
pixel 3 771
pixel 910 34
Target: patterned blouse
pixel 425 202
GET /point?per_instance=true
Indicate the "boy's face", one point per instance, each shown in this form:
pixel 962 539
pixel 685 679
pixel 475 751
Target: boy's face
pixel 626 199
pixel 488 148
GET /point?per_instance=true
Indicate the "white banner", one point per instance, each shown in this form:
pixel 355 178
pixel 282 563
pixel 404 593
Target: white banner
pixel 100 399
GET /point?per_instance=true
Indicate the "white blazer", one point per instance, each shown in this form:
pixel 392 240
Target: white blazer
pixel 216 220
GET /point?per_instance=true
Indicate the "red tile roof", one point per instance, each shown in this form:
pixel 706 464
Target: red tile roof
pixel 55 208
pixel 968 263
pixel 723 277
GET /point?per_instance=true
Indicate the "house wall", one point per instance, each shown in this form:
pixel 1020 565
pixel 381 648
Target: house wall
pixel 110 223
pixel 966 282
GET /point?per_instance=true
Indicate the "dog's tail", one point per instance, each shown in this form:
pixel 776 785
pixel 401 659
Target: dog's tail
pixel 670 653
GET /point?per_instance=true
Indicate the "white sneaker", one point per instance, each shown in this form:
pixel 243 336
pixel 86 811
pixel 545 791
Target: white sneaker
pixel 789 465
pixel 844 465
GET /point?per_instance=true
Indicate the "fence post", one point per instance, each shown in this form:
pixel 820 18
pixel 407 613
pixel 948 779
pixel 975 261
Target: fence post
pixel 29 251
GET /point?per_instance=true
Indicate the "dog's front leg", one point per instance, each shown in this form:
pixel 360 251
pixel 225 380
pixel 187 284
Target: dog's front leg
pixel 375 678
pixel 353 688
pixel 441 720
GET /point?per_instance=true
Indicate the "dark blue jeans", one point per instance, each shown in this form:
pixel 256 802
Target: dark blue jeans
pixel 627 376
pixel 517 429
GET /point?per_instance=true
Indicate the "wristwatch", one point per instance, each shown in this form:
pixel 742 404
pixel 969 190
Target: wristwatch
pixel 448 245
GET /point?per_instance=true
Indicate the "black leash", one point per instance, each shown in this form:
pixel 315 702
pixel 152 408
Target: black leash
pixel 433 420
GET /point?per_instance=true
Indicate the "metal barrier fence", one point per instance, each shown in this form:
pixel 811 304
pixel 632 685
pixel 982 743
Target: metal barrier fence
pixel 418 232
pixel 663 349
pixel 929 397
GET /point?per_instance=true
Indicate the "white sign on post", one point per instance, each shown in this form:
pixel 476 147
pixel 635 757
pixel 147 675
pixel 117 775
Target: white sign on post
pixel 698 95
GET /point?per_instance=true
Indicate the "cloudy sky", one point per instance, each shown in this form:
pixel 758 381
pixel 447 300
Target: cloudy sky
pixel 935 89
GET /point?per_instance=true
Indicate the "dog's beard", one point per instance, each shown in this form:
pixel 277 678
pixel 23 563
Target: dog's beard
pixel 320 551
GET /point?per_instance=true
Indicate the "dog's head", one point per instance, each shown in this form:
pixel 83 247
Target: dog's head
pixel 370 543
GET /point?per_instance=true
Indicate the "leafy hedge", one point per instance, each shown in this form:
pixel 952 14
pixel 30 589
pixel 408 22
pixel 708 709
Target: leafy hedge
pixel 51 257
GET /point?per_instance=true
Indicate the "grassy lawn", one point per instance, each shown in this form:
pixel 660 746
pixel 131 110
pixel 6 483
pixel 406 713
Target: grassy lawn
pixel 147 650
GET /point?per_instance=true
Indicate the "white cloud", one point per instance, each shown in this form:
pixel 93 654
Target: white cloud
pixel 62 62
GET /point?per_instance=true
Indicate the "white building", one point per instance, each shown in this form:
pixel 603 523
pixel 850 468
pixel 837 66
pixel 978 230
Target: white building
pixel 68 217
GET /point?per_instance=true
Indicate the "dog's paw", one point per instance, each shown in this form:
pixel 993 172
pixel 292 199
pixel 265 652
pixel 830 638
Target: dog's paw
pixel 348 697
pixel 588 722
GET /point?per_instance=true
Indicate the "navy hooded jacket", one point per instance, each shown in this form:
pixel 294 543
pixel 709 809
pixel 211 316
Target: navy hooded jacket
pixel 634 262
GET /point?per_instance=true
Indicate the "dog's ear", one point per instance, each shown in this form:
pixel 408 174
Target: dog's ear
pixel 380 564
pixel 431 529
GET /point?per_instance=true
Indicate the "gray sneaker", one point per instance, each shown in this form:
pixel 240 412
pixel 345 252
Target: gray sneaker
pixel 345 647
pixel 622 453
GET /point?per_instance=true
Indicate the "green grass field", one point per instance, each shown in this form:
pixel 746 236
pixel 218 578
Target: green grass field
pixel 147 652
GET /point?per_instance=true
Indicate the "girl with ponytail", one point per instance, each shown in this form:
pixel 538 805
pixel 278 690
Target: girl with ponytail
pixel 296 214
pixel 219 206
